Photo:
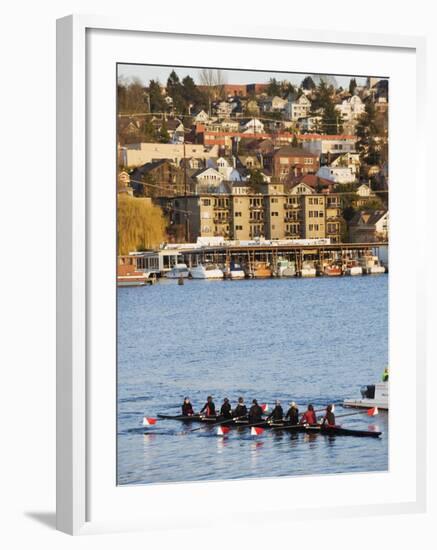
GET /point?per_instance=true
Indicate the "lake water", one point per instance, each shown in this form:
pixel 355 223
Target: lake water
pixel 308 340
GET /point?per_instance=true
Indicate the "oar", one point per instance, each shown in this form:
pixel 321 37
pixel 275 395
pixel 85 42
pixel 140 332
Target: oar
pixel 370 412
pixel 217 423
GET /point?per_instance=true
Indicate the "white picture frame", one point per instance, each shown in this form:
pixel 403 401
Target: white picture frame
pixel 74 340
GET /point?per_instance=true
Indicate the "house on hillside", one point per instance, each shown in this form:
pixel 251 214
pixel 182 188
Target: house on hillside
pixel 253 126
pixel 158 178
pixel 338 174
pixel 200 117
pixel 298 108
pixel 369 227
pixel 290 162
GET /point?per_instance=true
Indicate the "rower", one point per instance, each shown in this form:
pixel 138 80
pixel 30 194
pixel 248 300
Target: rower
pixel 226 410
pixel 292 415
pixel 187 407
pixel 255 413
pixel 277 413
pixel 309 416
pixel 209 407
pixel 241 409
pixel 329 418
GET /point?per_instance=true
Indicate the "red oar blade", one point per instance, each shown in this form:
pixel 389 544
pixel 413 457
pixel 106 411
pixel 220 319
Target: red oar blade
pixel 265 407
pixel 147 421
pixel 373 411
pixel 256 431
pixel 223 430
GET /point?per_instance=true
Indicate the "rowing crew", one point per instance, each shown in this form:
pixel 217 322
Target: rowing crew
pixel 255 412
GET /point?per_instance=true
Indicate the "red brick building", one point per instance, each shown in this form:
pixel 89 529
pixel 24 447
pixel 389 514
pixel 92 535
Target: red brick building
pixel 290 162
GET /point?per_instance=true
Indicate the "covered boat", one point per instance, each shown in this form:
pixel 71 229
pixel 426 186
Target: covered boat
pixel 206 271
pixel 178 271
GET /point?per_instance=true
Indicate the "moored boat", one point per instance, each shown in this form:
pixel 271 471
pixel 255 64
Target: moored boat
pixel 371 265
pixel 178 271
pixel 308 270
pixel 259 270
pixel 236 271
pixel 352 268
pixel 206 271
pixel 285 268
pixel 333 270
pixel 373 395
pixel 127 275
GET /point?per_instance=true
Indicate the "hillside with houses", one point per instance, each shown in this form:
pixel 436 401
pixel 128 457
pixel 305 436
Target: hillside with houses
pixel 273 160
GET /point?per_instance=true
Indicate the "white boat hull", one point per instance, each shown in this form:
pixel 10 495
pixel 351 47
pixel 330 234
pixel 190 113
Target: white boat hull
pixel 200 272
pixel 375 270
pixel 308 272
pixel 356 270
pixel 365 404
pixel 237 274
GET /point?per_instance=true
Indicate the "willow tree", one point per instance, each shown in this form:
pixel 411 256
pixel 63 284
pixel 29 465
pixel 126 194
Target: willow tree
pixel 140 224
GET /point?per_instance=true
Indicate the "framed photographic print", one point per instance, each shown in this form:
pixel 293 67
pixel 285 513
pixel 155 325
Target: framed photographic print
pixel 237 318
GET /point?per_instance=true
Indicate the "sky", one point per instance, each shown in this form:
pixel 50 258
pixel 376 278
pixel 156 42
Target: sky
pixel 145 73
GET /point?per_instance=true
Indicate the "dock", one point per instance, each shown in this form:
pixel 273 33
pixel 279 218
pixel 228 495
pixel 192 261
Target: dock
pixel 320 253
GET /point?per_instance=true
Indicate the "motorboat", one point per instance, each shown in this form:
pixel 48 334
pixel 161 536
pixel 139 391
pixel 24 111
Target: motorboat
pixel 236 271
pixel 178 271
pixel 285 268
pixel 206 271
pixel 333 270
pixel 373 395
pixel 308 270
pixel 352 268
pixel 259 270
pixel 371 265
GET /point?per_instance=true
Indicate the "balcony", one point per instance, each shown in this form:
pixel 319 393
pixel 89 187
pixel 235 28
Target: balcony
pixel 256 207
pixel 256 221
pixel 226 219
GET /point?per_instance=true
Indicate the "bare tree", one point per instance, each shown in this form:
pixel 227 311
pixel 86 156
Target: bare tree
pixel 213 80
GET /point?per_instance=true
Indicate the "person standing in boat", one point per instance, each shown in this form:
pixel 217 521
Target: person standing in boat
pixel 292 415
pixel 241 409
pixel 226 410
pixel 209 408
pixel 187 407
pixel 277 413
pixel 309 416
pixel 255 413
pixel 329 418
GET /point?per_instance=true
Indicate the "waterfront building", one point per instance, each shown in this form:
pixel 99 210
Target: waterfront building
pixel 270 210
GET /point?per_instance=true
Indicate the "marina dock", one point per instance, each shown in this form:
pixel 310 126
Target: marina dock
pixel 318 254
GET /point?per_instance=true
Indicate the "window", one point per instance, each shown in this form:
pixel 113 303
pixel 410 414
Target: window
pixel 273 200
pixel 238 214
pixel 310 201
pixel 310 214
pixel 206 202
pixel 310 227
pixel 239 228
pixel 321 214
pixel 275 213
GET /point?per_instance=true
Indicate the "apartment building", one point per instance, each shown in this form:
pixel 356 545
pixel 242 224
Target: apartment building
pixel 272 213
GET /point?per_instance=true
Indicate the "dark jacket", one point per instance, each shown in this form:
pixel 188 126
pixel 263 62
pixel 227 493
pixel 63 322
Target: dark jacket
pixel 187 409
pixel 255 414
pixel 329 419
pixel 208 408
pixel 240 410
pixel 226 410
pixel 292 415
pixel 277 413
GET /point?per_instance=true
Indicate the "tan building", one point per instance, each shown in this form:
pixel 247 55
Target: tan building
pixel 269 212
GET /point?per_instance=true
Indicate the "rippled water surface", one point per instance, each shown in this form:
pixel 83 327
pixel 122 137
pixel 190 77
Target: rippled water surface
pixel 310 340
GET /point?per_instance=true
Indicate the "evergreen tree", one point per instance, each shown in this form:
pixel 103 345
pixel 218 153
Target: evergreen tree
pixel 367 131
pixel 157 103
pixel 273 88
pixel 164 136
pixel 352 86
pixel 174 90
pixel 308 83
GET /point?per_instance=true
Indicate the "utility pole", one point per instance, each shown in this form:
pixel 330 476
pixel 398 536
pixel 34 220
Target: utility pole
pixel 187 228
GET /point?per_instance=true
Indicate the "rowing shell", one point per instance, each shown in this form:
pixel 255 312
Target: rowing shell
pixel 337 430
pixel 324 430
